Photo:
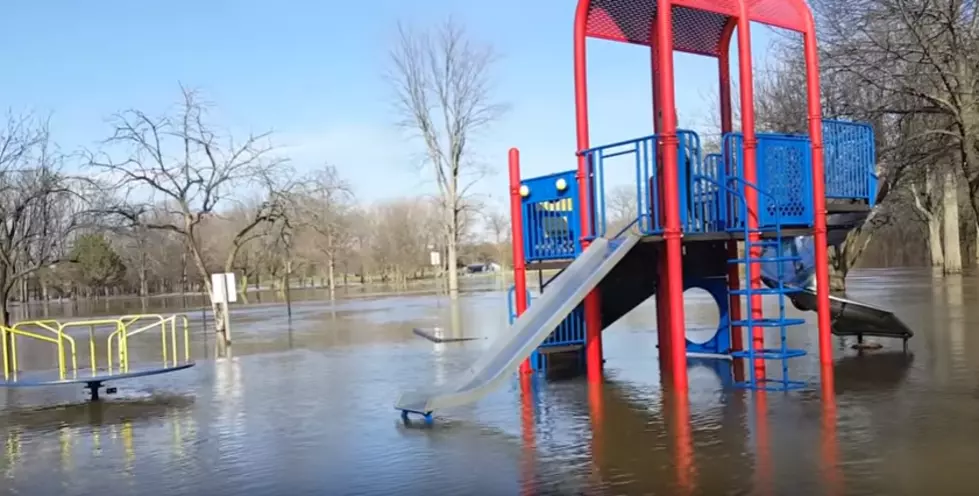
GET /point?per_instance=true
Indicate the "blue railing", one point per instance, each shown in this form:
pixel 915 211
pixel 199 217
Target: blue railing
pixel 643 151
pixel 570 332
pixel 784 170
pixel 645 167
pixel 551 217
pixel 710 207
pixel 850 160
pixel 701 201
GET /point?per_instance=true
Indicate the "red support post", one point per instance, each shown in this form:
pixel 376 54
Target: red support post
pixel 592 304
pixel 818 200
pixel 662 298
pixel 519 260
pixel 733 273
pixel 672 233
pixel 750 177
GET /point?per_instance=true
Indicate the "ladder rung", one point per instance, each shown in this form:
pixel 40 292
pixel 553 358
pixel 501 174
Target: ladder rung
pixel 767 322
pixel 763 260
pixel 771 385
pixel 770 354
pixel 765 291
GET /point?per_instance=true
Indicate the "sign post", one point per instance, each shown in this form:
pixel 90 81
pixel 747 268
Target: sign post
pixel 436 261
pixel 223 292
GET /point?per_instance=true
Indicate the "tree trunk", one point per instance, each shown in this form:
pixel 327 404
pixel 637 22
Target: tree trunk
pixel 331 276
pixel 5 314
pixel 243 292
pixel 451 260
pixel 976 245
pixel 950 210
pixel 935 243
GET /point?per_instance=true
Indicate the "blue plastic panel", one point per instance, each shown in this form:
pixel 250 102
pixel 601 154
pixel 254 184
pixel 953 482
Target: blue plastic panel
pixel 551 217
pixel 783 180
pixel 571 331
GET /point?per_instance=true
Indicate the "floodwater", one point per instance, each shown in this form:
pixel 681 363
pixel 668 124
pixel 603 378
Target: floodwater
pixel 307 408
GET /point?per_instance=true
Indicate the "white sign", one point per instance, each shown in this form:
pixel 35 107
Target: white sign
pixel 223 289
pixel 436 259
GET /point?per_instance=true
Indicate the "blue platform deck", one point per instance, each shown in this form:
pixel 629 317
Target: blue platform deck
pixel 712 187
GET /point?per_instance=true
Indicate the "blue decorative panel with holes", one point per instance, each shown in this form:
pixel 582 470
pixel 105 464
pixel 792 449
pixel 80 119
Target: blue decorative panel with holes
pixel 784 180
pixel 550 216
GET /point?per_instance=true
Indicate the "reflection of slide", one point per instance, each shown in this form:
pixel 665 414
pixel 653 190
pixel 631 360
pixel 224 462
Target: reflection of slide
pixel 850 318
pixel 527 332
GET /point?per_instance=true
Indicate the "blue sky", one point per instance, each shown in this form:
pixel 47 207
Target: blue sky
pixel 311 72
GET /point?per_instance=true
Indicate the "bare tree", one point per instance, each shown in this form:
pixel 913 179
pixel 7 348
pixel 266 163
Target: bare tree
pixel 623 206
pixel 40 207
pixel 442 84
pixel 323 206
pixel 498 224
pixel 181 163
pixel 919 60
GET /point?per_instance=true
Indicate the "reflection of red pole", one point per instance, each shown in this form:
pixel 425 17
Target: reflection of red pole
pixel 829 440
pixel 528 468
pixel 519 262
pixel 684 443
pixel 597 408
pixel 763 474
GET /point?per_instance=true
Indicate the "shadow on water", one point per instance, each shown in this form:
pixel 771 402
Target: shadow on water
pixel 305 405
pixel 878 372
pixel 95 414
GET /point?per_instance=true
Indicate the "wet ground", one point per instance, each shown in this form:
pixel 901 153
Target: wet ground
pixel 307 408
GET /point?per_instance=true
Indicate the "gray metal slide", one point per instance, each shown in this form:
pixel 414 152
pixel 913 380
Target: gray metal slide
pixel 854 318
pixel 527 332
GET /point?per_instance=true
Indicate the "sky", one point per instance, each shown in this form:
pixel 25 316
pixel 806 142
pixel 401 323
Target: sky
pixel 311 72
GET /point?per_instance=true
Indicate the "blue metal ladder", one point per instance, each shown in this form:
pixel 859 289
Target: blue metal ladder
pixel 777 288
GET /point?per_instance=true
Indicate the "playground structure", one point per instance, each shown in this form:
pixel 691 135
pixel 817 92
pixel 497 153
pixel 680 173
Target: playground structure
pixel 768 204
pixel 115 333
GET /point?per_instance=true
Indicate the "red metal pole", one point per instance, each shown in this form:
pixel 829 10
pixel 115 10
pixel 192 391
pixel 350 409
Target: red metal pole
pixel 662 297
pixel 750 176
pixel 519 260
pixel 733 274
pixel 672 233
pixel 819 198
pixel 592 304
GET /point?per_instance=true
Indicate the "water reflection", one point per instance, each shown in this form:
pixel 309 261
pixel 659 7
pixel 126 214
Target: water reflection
pixel 306 407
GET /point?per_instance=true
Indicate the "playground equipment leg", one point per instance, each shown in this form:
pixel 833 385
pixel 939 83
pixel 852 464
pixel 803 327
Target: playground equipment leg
pixel 593 336
pixel 519 263
pixel 94 387
pixel 672 232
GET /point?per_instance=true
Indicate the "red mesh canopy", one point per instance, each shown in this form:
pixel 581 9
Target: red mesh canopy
pixel 697 24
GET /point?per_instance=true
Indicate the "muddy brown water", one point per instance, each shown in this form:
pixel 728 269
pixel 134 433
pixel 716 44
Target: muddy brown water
pixel 306 408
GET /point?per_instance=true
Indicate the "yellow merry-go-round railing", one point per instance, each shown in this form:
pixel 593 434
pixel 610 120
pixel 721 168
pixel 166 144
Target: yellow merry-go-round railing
pixel 117 342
